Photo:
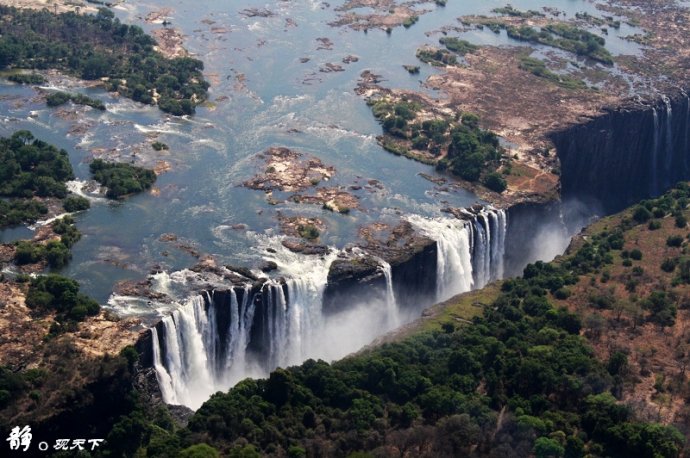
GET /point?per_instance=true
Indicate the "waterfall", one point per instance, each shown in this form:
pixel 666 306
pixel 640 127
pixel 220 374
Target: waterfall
pixel 470 253
pixel 687 127
pixel 185 360
pixel 454 264
pixel 164 380
pixel 655 152
pixel 488 246
pixel 669 139
pixel 196 362
pixel 215 339
pixel 498 247
pixel 391 303
pixel 234 362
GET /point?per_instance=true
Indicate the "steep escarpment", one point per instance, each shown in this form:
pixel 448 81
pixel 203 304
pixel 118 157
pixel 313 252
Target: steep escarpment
pixel 628 154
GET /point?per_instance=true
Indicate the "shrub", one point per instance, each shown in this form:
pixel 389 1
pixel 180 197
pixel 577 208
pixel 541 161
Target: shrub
pixel 121 179
pixel 158 146
pixel 75 203
pixel 636 254
pixel 654 225
pixel 308 231
pixel 54 292
pixel 641 214
pixel 495 182
pixel 669 264
pixel 674 241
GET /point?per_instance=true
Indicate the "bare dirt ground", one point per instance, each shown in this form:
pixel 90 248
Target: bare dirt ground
pixel 526 109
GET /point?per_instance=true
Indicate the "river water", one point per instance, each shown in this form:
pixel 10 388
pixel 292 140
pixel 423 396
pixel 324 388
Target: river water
pixel 263 94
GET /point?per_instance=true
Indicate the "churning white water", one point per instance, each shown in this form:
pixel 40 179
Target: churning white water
pixel 218 338
pixel 470 252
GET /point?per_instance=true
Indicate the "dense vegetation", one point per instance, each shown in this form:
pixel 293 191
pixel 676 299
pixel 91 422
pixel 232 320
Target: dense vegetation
pixel 538 68
pixel 99 46
pixel 19 211
pixel 457 45
pixel 566 37
pixel 27 78
pixel 56 252
pixel 57 98
pixel 436 57
pixel 31 168
pixel 509 10
pixel 71 395
pixel 473 153
pixel 122 179
pixel 472 150
pixel 54 293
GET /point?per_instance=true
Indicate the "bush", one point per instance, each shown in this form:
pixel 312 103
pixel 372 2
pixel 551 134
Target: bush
pixel 75 203
pixel 54 292
pixel 654 225
pixel 308 231
pixel 58 98
pixel 17 211
pixel 681 221
pixel 24 78
pixel 28 253
pixel 669 264
pixel 674 241
pixel 158 146
pixel 636 254
pixel 199 451
pixel 641 214
pixel 495 182
pixel 121 179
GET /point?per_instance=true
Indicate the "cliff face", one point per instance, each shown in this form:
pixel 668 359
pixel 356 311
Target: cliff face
pixel 522 237
pixel 626 155
pixel 353 281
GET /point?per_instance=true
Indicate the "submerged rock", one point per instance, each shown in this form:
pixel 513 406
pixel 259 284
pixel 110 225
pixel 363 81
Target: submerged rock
pixel 302 247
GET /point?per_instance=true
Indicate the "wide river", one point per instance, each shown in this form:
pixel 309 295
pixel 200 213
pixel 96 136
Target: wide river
pixel 267 90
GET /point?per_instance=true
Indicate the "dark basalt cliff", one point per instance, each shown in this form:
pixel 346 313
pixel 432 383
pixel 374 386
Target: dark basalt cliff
pixel 354 281
pixel 626 155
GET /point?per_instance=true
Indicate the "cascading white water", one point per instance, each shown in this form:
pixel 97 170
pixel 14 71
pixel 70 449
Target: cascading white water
pixel 186 358
pixel 686 152
pixel 453 264
pixel 204 345
pixel 470 253
pixel 669 137
pixel 498 243
pixel 655 152
pixel 391 303
pixel 164 380
pixel 196 363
